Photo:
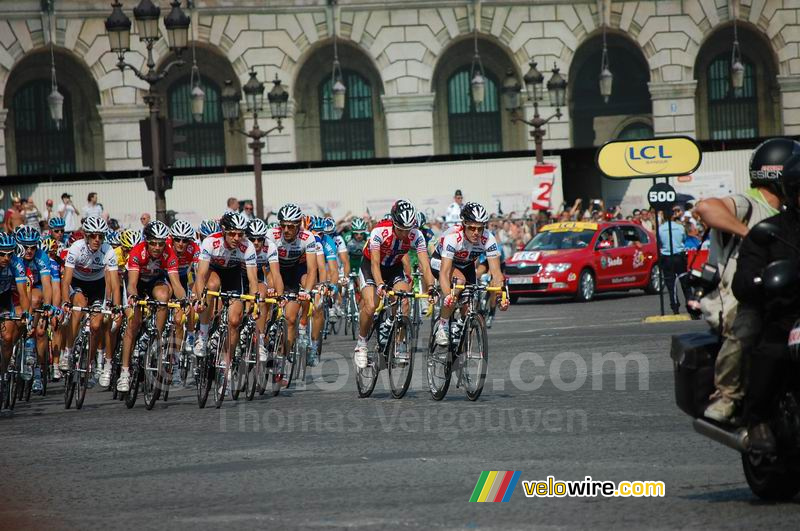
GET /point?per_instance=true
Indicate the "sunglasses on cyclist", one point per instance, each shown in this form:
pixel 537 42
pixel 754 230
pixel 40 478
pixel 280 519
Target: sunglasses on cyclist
pixel 56 230
pixel 157 243
pixel 182 240
pixel 475 228
pixel 6 254
pixel 95 236
pixel 257 240
pixel 30 247
pixel 235 233
pixel 290 225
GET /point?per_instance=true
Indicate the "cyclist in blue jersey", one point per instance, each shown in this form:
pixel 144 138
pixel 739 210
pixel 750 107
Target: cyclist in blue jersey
pixel 328 268
pixel 57 230
pixel 12 279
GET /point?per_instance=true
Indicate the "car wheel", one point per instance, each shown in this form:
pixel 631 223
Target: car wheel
pixel 586 286
pixel 513 298
pixel 654 281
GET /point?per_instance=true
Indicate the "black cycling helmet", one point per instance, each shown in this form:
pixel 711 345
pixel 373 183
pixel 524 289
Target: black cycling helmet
pixel 474 212
pixel 403 215
pixel 775 164
pixel 233 221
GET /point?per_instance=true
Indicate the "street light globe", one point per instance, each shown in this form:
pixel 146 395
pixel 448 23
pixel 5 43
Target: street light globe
pixel 254 93
pixel 737 75
pixel 606 81
pixel 146 15
pixel 198 103
pixel 478 88
pixel 557 88
pixel 511 91
pixel 55 101
pixel 533 82
pixel 177 24
pixel 118 27
pixel 278 100
pixel 339 98
pixel 230 97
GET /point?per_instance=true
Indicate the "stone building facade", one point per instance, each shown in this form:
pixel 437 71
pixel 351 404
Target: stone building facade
pixel 405 66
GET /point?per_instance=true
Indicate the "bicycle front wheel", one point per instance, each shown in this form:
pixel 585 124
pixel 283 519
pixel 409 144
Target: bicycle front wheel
pixel 474 357
pixel 202 380
pixel 400 357
pixel 152 372
pixel 253 367
pixel 278 363
pixel 439 368
pixel 220 375
pixel 84 370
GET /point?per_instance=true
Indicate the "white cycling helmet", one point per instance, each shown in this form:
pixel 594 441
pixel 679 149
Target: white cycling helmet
pixel 474 212
pixel 404 215
pixel 95 224
pixel 291 213
pixel 182 229
pixel 257 228
pixel 156 230
pixel 233 221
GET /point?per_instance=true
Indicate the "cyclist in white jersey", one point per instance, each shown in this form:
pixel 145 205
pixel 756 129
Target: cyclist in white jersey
pixel 382 267
pixel 90 273
pixel 270 283
pixel 297 256
pixel 454 260
pixel 222 257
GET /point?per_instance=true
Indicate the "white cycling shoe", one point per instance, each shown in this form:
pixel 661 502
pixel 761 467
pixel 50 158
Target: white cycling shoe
pixel 200 347
pixel 105 377
pixel 124 382
pixel 441 337
pixel 360 356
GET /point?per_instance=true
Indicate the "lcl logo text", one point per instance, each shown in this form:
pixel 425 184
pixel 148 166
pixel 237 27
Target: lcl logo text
pixel 648 153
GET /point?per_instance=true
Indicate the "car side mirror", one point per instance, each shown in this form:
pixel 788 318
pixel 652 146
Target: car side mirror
pixel 780 274
pixel 764 233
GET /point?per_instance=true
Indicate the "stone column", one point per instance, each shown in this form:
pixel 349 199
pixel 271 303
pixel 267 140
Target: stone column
pixel 673 108
pixel 121 136
pixel 409 122
pixel 3 166
pixel 790 104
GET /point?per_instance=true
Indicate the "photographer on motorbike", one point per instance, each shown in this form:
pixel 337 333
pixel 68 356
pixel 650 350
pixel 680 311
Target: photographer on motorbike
pixel 769 361
pixel 730 219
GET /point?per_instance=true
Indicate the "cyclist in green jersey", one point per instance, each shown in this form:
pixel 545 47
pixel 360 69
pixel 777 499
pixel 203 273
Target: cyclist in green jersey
pixel 355 239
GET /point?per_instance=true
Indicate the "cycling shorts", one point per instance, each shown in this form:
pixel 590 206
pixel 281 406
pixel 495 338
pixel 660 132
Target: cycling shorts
pixel 230 280
pixel 391 275
pixel 292 276
pixel 467 270
pixel 6 301
pixel 145 288
pixel 93 290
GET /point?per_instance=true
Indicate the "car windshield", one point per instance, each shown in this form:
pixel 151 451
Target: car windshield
pixel 555 240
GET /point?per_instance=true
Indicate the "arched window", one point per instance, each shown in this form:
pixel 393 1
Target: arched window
pixel 473 129
pixel 732 113
pixel 636 131
pixel 204 144
pixel 352 136
pixel 41 147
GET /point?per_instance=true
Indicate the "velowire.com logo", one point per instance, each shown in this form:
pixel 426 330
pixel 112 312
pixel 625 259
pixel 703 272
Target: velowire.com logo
pixel 495 486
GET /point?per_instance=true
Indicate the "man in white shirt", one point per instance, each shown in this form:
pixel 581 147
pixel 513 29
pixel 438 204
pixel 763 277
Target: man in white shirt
pixel 453 215
pixel 232 205
pixel 70 213
pixel 93 208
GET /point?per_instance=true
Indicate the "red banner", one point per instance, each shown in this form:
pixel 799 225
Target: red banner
pixel 543 179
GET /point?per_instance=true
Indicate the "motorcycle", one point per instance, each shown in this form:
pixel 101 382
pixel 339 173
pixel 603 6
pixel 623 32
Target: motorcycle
pixel 769 476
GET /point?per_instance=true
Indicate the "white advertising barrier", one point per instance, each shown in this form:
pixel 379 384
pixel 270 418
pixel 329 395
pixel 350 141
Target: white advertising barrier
pixel 500 183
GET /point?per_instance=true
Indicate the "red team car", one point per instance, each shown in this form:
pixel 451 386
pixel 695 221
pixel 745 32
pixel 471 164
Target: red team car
pixel 581 259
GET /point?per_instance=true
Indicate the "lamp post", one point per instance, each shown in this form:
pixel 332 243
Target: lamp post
pixel 278 100
pixel 118 27
pixel 557 89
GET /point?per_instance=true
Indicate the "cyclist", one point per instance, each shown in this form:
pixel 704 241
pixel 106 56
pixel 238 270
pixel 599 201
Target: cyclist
pixel 355 240
pixel 454 259
pixel 90 273
pixel 57 227
pixel 270 283
pixel 112 238
pixel 152 274
pixel 52 248
pixel 13 281
pixel 222 257
pixel 382 267
pixel 328 270
pixel 343 264
pixel 187 250
pixel 297 256
pixel 37 265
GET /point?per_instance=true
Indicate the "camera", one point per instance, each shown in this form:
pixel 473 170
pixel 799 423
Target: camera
pixel 701 283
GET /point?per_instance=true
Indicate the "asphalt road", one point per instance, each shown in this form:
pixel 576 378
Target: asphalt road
pixel 320 457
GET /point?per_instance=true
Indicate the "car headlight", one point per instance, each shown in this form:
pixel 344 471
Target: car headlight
pixel 557 268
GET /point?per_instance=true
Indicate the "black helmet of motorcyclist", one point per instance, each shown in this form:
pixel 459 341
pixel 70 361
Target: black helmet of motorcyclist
pixel 775 165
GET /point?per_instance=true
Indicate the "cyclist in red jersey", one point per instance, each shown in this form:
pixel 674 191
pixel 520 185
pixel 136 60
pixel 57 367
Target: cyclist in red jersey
pixel 153 273
pixel 382 267
pixel 187 250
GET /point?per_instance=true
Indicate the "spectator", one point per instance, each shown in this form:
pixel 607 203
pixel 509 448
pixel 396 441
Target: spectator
pixel 15 215
pixel 92 208
pixel 673 254
pixel 69 212
pixel 247 210
pixel 49 211
pixel 32 215
pixel 233 205
pixel 647 221
pixel 453 215
pixel 145 219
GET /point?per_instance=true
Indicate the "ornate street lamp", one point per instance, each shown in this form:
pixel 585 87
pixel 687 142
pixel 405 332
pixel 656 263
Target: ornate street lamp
pixel 606 78
pixel 533 82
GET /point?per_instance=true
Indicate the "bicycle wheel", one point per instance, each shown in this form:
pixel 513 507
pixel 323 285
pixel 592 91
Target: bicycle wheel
pixel 238 381
pixel 151 377
pixel 352 315
pixel 474 357
pixel 45 368
pixel 83 368
pixel 220 376
pixel 202 380
pixel 69 385
pixel 400 366
pixel 367 377
pixel 439 367
pixel 279 361
pixel 253 367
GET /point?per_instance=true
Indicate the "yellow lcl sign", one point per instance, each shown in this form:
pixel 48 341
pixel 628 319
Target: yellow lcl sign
pixel 658 157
